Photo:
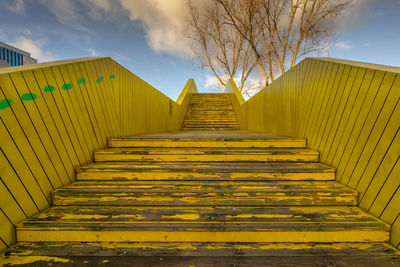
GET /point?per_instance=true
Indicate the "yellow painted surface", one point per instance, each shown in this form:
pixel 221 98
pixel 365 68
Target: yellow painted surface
pixel 16 260
pixel 349 111
pixel 61 112
pixel 205 236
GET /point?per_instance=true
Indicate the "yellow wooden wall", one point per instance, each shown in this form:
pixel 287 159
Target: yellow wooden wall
pixel 54 115
pixel 350 112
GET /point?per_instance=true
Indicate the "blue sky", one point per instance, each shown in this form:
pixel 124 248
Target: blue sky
pixel 145 35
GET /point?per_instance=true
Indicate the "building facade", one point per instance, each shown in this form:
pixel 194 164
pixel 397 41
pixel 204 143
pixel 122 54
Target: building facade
pixel 14 56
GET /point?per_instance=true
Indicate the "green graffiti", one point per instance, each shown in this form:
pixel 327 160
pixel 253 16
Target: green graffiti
pixel 49 88
pixel 5 103
pixel 100 79
pixel 67 86
pixel 28 96
pixel 112 76
pixel 81 81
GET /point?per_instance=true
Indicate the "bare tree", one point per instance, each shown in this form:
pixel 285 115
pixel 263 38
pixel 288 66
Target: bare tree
pixel 277 32
pixel 220 47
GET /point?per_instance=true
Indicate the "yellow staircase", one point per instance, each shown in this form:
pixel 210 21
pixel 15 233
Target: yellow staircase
pixel 202 192
pixel 210 112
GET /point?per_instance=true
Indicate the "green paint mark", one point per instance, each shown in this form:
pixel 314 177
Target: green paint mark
pixel 28 97
pixel 67 86
pixel 100 79
pixel 49 88
pixel 5 103
pixel 112 76
pixel 81 81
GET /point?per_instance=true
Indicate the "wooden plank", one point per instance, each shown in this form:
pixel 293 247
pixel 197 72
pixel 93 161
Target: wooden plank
pixel 320 89
pixel 7 230
pixel 81 112
pixel 207 154
pixel 17 187
pixel 9 205
pixel 17 145
pixel 337 114
pixel 387 202
pixel 351 92
pixel 311 90
pixel 94 103
pixel 208 171
pixel 195 249
pixel 98 77
pixel 325 99
pixel 64 83
pixel 395 233
pixel 332 112
pixel 333 91
pixel 376 87
pixel 128 222
pixel 99 98
pixel 380 173
pixel 351 113
pixel 47 78
pixel 371 138
pixel 55 113
pixel 59 156
pixel 80 82
pixel 44 148
pixel 376 147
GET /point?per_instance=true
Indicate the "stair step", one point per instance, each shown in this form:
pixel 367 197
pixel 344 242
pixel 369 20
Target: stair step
pixel 206 171
pixel 197 249
pixel 208 154
pixel 203 224
pixel 206 142
pixel 192 193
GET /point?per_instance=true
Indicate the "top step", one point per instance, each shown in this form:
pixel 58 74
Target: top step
pixel 197 139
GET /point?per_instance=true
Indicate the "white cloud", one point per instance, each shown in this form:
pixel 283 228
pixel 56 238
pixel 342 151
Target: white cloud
pixel 66 12
pixel 35 48
pixel 16 6
pixel 93 52
pixel 163 22
pixel 345 45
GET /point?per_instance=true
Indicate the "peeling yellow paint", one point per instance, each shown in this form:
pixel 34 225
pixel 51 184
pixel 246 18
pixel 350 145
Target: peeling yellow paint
pixel 16 260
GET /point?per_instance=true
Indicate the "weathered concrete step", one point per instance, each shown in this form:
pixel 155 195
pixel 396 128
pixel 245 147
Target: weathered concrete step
pixel 206 142
pixel 206 171
pixel 192 193
pixel 208 154
pixel 197 249
pixel 203 224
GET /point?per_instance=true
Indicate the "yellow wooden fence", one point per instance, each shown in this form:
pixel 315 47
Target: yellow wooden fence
pixel 54 115
pixel 347 110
